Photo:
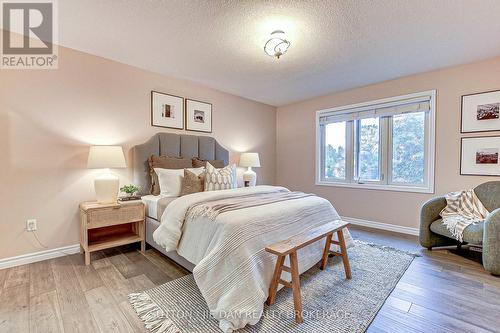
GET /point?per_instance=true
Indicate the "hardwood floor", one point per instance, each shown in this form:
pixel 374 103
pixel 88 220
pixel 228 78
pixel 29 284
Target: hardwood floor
pixel 440 292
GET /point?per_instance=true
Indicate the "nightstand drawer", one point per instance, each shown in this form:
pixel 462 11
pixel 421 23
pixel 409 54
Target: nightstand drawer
pixel 114 215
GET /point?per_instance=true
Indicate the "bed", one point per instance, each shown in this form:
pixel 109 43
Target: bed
pixel 171 144
pixel 221 235
pixel 155 206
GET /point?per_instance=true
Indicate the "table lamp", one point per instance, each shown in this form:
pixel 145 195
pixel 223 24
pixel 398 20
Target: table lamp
pixel 250 160
pixel 106 157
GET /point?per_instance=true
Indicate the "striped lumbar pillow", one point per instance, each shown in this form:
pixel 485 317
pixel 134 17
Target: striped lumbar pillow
pixel 219 179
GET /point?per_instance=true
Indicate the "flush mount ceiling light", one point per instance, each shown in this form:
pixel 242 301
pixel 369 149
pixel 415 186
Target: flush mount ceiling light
pixel 277 45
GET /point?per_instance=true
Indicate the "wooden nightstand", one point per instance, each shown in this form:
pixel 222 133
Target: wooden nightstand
pixel 109 225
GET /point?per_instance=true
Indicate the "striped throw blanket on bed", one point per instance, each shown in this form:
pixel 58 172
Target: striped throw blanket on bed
pixel 463 208
pixel 212 209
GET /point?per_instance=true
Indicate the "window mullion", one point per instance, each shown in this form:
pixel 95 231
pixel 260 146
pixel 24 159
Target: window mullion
pixel 386 152
pixel 427 152
pixel 322 152
pixel 350 151
pixel 356 127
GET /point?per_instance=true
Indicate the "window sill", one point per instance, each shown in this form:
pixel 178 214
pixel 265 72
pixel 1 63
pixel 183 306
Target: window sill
pixel 396 188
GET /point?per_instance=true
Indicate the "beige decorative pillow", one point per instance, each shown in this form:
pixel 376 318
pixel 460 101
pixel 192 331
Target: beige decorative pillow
pixel 219 179
pixel 191 183
pixel 197 163
pixel 164 162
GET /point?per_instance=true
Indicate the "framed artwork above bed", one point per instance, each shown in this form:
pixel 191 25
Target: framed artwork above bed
pixel 481 112
pixel 198 116
pixel 167 110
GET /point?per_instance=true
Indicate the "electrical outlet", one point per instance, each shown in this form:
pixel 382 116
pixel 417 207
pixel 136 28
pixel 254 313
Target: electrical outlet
pixel 31 225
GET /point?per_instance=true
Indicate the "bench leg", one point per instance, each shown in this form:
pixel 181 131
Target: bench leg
pixel 273 289
pixel 343 250
pixel 326 251
pixel 297 301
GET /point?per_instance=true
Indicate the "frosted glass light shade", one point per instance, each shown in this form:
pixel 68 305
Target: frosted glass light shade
pixel 101 157
pixel 277 45
pixel 250 160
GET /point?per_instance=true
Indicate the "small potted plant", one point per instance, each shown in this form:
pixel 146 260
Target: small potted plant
pixel 130 190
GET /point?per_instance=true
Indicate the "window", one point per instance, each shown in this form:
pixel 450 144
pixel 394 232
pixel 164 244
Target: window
pixel 385 144
pixel 335 136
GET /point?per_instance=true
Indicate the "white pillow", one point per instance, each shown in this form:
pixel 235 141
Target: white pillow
pixel 235 176
pixel 219 179
pixel 170 180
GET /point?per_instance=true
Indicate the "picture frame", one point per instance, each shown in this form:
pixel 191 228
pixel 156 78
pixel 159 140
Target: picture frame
pixel 167 110
pixel 479 156
pixel 198 116
pixel 480 112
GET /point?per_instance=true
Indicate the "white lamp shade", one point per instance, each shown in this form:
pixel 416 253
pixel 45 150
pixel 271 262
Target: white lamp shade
pixel 101 157
pixel 250 160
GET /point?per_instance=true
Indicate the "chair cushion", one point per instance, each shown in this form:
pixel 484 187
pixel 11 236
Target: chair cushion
pixel 489 194
pixel 473 234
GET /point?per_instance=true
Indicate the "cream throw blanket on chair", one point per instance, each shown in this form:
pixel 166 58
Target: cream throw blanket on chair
pixel 463 208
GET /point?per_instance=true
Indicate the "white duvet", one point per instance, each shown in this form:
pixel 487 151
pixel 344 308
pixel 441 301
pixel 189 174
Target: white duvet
pixel 233 271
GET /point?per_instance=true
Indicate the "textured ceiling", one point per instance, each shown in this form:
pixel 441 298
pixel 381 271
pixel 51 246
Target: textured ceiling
pixel 335 45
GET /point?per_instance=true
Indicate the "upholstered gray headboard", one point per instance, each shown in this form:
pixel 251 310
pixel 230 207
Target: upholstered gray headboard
pixel 171 144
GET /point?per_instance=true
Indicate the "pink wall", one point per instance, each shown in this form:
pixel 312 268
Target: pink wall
pixel 48 118
pixel 296 142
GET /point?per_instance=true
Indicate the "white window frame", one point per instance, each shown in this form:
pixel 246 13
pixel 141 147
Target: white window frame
pixel 430 142
pixel 382 162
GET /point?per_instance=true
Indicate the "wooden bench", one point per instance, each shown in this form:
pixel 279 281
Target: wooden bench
pixel 290 246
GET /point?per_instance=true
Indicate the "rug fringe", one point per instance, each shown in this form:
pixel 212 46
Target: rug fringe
pixel 153 317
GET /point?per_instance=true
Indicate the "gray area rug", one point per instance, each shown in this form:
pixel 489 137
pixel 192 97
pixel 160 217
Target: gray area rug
pixel 330 302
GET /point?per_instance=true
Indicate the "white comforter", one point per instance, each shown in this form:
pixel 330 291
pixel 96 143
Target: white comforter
pixel 233 271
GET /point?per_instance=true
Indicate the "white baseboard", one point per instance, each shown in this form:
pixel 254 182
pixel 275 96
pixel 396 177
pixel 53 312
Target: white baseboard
pixel 382 226
pixel 39 256
pixel 72 249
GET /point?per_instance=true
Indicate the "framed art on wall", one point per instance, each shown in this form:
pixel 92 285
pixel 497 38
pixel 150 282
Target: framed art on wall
pixel 479 156
pixel 198 116
pixel 481 112
pixel 167 110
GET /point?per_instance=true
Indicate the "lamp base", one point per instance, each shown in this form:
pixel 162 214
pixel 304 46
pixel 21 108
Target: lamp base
pixel 106 188
pixel 249 177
